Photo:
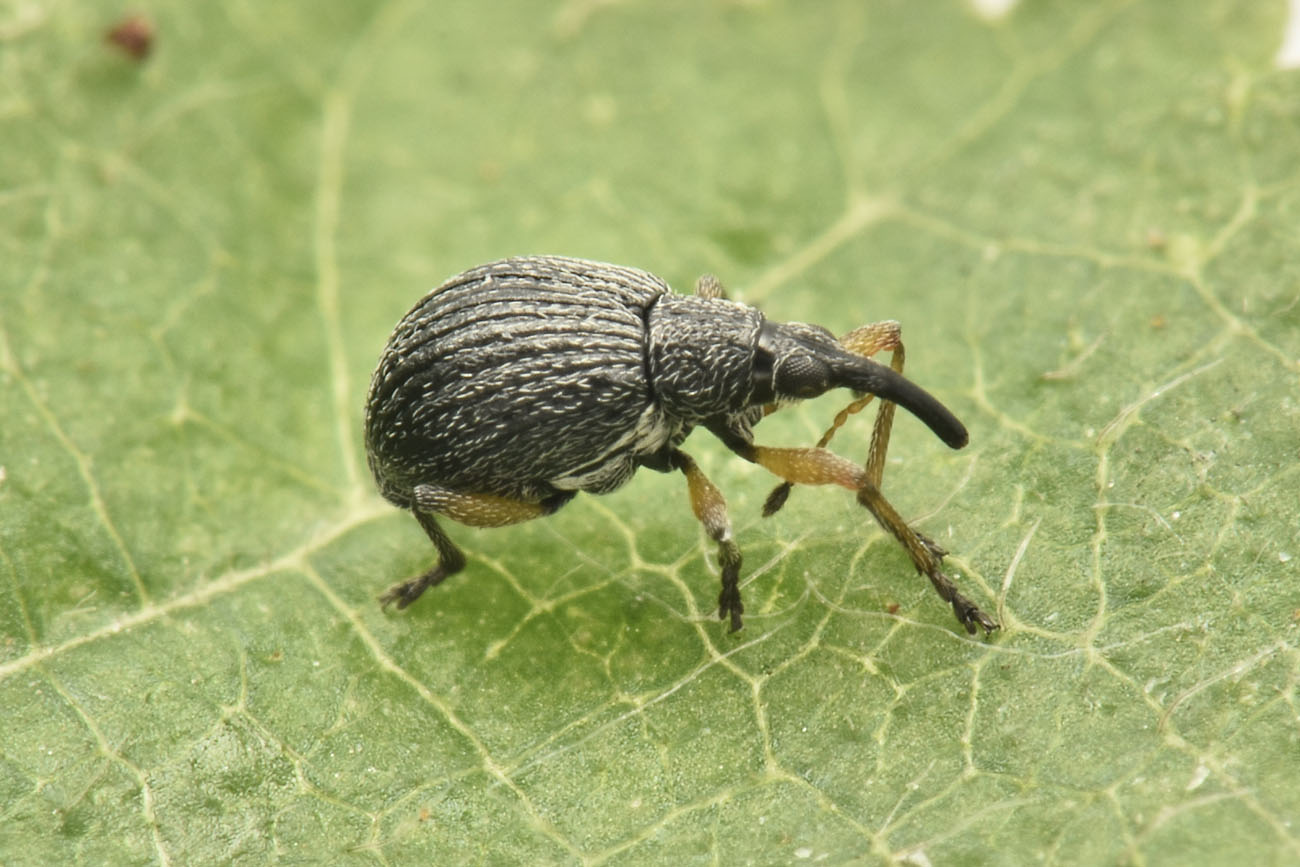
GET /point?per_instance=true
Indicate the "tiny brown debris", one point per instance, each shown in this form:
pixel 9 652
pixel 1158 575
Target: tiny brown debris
pixel 134 34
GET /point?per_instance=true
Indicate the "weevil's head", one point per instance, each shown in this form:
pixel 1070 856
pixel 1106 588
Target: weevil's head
pixel 712 358
pixel 795 360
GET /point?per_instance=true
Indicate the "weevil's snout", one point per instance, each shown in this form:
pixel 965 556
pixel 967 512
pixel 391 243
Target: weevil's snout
pixel 863 374
pixel 796 361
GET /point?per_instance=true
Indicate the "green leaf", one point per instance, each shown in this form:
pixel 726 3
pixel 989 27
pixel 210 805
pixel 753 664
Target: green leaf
pixel 1087 218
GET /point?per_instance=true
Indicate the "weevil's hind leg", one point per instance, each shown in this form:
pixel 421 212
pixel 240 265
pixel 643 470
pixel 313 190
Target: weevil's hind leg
pixel 450 561
pixel 710 508
pixel 865 340
pixel 820 467
pixel 485 510
pixel 474 510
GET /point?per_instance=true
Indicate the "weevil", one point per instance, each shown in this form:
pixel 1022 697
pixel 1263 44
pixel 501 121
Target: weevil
pixel 518 383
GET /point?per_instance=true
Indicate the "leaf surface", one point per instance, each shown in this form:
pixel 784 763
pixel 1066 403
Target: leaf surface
pixel 1084 215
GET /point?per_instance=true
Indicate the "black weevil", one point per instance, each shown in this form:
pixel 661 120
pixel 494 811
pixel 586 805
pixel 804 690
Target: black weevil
pixel 516 384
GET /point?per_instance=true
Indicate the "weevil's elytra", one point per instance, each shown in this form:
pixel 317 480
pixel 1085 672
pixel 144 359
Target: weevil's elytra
pixel 516 384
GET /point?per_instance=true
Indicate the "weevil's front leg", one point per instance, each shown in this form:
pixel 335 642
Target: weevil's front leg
pixel 710 508
pixel 474 510
pixel 868 340
pixel 820 467
pixel 865 340
pixel 926 556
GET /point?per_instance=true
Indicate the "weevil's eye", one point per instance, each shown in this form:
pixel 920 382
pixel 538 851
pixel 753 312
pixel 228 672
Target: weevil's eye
pixel 801 376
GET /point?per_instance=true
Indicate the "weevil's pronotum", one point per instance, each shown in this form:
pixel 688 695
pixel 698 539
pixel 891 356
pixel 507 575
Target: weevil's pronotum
pixel 516 384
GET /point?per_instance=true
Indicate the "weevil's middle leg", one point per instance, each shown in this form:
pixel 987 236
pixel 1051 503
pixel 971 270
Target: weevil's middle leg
pixel 865 340
pixel 803 466
pixel 709 286
pixel 710 508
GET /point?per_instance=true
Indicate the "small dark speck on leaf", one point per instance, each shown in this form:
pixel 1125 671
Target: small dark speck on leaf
pixel 892 608
pixel 134 35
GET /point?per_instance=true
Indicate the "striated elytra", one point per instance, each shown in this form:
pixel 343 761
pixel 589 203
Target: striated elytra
pixel 516 384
